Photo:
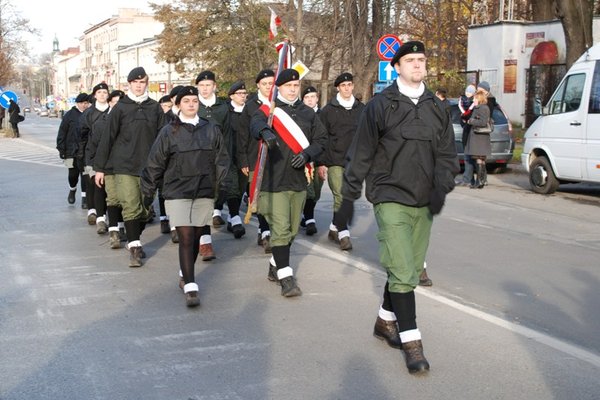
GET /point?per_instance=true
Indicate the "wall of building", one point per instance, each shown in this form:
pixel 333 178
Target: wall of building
pixel 501 52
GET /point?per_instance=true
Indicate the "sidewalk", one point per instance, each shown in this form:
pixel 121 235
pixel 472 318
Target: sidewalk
pixel 76 322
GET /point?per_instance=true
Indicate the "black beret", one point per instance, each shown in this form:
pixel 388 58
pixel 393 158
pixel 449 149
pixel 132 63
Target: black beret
pixel 100 86
pixel 136 73
pixel 345 77
pixel 175 90
pixel 239 85
pixel 310 89
pixel 116 93
pixel 186 91
pixel 81 97
pixel 408 48
pixel 206 76
pixel 287 75
pixel 164 99
pixel 265 73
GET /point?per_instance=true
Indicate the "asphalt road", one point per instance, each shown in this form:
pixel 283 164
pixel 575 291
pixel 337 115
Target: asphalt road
pixel 512 313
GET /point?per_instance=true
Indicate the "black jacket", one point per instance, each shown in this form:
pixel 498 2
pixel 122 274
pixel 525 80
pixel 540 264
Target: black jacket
pixel 191 161
pixel 235 126
pixel 99 128
pixel 131 129
pixel 89 124
pixel 279 175
pixel 13 112
pixel 340 125
pixel 402 150
pixel 247 146
pixel 67 140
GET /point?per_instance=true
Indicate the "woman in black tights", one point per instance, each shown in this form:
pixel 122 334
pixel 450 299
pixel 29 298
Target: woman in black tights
pixel 189 157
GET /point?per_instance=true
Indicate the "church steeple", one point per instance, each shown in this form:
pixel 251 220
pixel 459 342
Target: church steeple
pixel 55 44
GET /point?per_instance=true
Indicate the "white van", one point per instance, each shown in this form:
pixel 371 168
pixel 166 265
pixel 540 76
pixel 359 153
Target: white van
pixel 563 144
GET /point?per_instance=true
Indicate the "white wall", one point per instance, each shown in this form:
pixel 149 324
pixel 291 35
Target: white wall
pixel 490 45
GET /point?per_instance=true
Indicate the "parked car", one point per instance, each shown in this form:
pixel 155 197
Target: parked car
pixel 26 109
pixel 43 112
pixel 502 143
pixel 53 113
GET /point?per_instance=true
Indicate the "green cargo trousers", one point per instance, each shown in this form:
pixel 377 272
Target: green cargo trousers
pixel 403 240
pixel 282 211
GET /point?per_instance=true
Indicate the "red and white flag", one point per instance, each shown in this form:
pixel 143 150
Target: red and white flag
pixel 275 22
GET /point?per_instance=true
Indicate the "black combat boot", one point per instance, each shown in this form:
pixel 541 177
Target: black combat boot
pixel 388 331
pixel 415 359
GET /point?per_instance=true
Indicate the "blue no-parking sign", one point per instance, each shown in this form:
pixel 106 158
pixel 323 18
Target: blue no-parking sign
pixel 387 45
pixel 6 97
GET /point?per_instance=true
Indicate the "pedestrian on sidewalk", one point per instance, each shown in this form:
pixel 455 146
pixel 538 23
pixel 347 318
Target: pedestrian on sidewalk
pixel 67 144
pixel 189 160
pixel 404 149
pixel 14 117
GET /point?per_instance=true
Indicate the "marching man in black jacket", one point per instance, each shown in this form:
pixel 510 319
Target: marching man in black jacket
pixel 247 147
pixel 133 125
pixel 67 144
pixel 298 139
pixel 340 117
pixel 404 149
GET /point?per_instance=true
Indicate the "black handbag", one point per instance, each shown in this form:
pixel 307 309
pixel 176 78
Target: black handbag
pixel 485 130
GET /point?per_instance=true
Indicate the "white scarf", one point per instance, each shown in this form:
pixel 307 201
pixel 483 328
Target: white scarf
pixel 236 107
pixel 194 121
pixel 138 99
pixel 208 102
pixel 284 100
pixel 263 99
pixel 101 106
pixel 410 92
pixel 347 104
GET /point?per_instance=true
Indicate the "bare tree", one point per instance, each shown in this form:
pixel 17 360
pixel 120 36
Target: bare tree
pixel 12 44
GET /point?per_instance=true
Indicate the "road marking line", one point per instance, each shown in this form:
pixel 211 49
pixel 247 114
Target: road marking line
pixel 542 338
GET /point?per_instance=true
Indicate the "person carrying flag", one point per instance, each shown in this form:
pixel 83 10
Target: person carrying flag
pixel 297 137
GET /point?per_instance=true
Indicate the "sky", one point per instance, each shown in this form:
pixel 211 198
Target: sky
pixel 68 19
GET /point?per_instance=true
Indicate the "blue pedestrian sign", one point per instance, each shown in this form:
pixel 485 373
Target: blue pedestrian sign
pixel 5 98
pixel 387 46
pixel 387 73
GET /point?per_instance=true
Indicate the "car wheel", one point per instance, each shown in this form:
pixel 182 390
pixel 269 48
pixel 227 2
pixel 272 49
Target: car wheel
pixel 496 168
pixel 541 176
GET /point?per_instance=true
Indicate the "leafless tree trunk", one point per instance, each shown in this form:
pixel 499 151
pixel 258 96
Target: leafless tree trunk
pixel 576 19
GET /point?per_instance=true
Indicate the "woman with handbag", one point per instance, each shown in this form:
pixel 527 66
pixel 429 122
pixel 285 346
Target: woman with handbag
pixel 479 146
pixel 14 118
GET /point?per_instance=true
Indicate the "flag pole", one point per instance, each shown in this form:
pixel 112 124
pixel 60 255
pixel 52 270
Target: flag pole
pixel 262 148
